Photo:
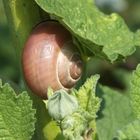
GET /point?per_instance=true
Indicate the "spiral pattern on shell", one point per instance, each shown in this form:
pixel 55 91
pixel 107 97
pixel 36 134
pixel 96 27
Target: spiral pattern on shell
pixel 50 59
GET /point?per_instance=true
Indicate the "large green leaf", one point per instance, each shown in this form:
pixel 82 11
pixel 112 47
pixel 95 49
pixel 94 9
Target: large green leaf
pixel 101 34
pixel 129 132
pixel 114 114
pixel 16 115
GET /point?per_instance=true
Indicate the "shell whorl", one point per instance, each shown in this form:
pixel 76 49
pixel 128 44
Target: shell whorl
pixel 69 66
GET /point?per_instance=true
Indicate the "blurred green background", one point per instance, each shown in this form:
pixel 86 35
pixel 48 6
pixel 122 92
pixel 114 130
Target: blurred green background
pixel 115 75
pixel 8 66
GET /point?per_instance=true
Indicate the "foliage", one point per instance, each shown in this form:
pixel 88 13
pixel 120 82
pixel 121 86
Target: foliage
pixel 129 132
pixel 91 112
pixel 75 114
pixel 115 112
pixel 100 33
pixel 86 95
pixel 17 118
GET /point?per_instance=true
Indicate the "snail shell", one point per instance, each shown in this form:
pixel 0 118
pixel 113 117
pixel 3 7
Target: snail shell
pixel 50 59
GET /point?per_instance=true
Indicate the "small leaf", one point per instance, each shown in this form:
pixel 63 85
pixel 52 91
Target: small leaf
pixel 17 118
pixel 61 104
pixel 130 132
pixel 86 95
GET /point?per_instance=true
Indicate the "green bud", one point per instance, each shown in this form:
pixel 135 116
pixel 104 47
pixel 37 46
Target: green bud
pixel 61 104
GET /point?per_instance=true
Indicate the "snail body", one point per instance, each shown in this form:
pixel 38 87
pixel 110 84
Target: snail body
pixel 50 59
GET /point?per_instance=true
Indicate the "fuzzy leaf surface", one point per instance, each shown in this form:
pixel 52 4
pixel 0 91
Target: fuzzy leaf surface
pixel 129 132
pixel 17 118
pixel 115 113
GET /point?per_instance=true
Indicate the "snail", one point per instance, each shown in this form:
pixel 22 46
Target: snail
pixel 50 59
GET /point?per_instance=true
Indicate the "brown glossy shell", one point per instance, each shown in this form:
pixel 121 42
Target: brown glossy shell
pixel 50 59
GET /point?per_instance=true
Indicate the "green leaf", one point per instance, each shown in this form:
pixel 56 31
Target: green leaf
pixel 135 91
pixel 86 95
pixel 101 34
pixel 17 118
pixel 115 112
pixel 129 132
